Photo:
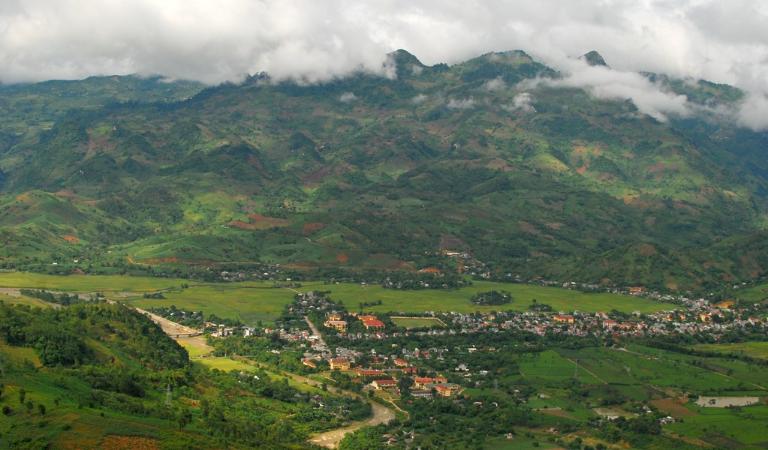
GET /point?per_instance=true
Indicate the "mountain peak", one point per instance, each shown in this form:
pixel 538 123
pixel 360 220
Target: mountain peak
pixel 406 64
pixel 405 57
pixel 593 58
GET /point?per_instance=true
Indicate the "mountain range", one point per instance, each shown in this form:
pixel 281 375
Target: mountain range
pixel 535 179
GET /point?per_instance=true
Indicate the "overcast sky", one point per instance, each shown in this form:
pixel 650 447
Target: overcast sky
pixel 216 40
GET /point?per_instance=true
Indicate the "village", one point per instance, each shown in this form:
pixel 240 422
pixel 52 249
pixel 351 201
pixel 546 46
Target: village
pixel 313 319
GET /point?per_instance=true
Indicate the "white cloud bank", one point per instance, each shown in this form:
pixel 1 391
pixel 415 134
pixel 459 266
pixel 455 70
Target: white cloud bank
pixel 722 41
pixel 605 83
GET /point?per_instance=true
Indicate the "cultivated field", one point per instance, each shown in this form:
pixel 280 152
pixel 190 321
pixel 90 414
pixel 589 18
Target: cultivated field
pixel 247 302
pixel 753 349
pixel 458 300
pixel 727 426
pixel 252 302
pixel 726 402
pixel 86 283
pixel 639 373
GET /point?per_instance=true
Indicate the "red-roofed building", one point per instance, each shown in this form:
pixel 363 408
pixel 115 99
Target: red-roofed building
pixel 400 362
pixel 426 382
pixel 369 372
pixel 376 324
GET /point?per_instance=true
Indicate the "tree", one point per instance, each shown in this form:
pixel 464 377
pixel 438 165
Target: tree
pixel 184 418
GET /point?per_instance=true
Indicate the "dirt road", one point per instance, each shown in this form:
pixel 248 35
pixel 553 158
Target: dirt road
pixel 170 328
pixel 331 439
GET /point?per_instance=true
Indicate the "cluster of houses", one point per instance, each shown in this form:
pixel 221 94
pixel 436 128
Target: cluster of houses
pixel 385 374
pixel 336 321
pixel 699 317
pixel 713 320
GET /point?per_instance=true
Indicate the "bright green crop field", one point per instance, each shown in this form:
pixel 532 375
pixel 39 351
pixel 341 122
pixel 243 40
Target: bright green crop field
pixel 86 283
pixel 417 322
pixel 248 302
pixel 746 425
pixel 459 300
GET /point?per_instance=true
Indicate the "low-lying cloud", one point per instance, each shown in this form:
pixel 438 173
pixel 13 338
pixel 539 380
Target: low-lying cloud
pixel 521 102
pixel 606 83
pixel 347 97
pixel 310 41
pixel 461 103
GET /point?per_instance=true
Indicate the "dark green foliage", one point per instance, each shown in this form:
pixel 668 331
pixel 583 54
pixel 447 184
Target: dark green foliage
pixel 58 335
pixel 63 299
pixel 492 298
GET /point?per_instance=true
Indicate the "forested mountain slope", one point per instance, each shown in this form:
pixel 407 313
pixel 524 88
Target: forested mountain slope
pixel 531 178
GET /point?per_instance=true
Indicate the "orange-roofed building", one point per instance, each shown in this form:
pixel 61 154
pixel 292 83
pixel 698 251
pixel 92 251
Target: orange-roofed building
pixel 376 324
pixel 425 382
pixel 369 372
pixel 725 304
pixel 367 317
pixel 564 318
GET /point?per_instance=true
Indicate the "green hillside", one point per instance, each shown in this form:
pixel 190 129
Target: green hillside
pixel 96 375
pixel 384 174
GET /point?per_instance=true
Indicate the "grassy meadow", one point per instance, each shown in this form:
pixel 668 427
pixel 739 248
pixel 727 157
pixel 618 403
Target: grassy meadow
pixel 754 294
pixel 23 300
pixel 417 322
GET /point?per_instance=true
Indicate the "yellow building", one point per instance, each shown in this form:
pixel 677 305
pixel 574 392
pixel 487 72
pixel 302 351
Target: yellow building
pixel 339 364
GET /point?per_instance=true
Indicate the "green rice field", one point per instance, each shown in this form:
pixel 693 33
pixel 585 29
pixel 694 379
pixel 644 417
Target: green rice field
pixel 458 300
pixel 252 302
